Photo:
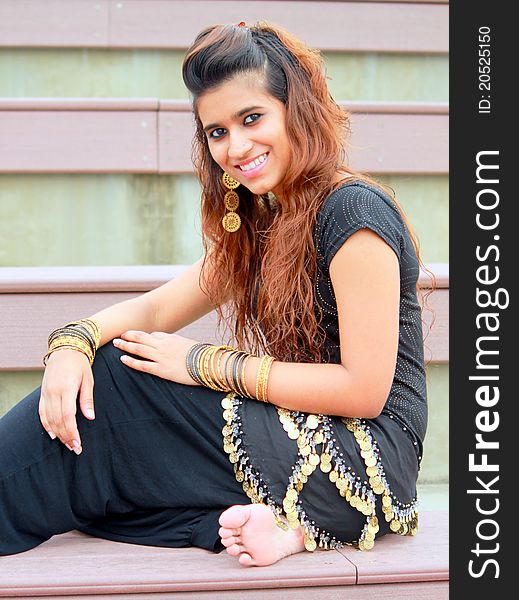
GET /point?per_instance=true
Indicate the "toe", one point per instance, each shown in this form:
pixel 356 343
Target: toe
pixel 223 532
pixel 230 541
pixel 234 517
pixel 234 550
pixel 245 560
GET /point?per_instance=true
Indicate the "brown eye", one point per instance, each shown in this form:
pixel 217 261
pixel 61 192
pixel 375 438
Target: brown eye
pixel 251 118
pixel 217 133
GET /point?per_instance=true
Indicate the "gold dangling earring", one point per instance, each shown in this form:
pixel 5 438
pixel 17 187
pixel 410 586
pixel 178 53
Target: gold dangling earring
pixel 231 221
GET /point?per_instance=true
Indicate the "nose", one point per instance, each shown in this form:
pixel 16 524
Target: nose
pixel 239 146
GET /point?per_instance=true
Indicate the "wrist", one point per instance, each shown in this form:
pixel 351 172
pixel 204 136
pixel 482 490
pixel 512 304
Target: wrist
pixel 251 374
pixel 83 336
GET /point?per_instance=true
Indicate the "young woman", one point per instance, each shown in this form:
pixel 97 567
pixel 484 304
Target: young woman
pixel 308 431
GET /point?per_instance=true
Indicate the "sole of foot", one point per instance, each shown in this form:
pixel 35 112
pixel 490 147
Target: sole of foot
pixel 250 533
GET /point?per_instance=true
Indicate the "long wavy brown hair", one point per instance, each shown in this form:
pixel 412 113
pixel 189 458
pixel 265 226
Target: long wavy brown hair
pixel 264 274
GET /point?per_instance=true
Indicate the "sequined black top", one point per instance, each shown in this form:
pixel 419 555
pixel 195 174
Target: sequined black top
pixel 354 206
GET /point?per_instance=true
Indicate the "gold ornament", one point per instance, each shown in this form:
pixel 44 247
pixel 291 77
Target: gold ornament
pixel 231 221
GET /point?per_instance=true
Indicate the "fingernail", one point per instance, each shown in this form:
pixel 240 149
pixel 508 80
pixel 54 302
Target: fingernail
pixel 76 444
pixel 116 341
pixel 52 435
pixel 90 413
pixel 69 447
pixel 78 450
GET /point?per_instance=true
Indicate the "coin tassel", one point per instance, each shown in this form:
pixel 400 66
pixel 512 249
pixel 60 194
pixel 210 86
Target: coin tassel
pixel 311 431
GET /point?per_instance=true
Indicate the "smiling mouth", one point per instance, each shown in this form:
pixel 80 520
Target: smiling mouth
pixel 254 163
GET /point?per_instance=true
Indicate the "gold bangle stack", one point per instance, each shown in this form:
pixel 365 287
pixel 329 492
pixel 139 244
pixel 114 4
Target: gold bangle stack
pixel 263 377
pixel 222 368
pixel 83 336
pixel 208 370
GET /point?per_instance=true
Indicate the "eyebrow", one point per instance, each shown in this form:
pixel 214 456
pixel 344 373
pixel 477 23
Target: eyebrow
pixel 240 113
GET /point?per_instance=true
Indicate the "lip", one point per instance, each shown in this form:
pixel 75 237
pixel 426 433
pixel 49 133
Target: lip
pixel 255 170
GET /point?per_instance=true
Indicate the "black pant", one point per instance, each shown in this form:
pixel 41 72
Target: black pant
pixel 153 470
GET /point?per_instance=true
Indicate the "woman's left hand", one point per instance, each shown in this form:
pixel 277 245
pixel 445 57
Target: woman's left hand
pixel 163 354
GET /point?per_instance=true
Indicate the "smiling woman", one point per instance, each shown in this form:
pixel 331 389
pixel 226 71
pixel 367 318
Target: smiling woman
pixel 321 390
pixel 251 143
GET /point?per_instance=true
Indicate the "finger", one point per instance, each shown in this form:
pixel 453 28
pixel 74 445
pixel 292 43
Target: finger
pixel 69 431
pixel 51 406
pixel 43 418
pixel 86 398
pixel 133 335
pixel 143 350
pixel 145 366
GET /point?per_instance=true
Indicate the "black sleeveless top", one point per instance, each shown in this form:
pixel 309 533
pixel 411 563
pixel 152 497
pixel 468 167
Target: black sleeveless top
pixel 353 206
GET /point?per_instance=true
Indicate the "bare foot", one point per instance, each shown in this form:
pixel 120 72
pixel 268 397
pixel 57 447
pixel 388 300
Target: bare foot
pixel 250 533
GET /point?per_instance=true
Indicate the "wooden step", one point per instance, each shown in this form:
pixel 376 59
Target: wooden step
pixel 148 135
pixel 36 300
pixel 75 564
pixel 405 27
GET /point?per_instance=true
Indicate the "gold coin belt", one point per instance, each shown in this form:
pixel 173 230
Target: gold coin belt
pixel 402 517
pixel 349 485
pixel 307 431
pixel 250 479
pixel 310 431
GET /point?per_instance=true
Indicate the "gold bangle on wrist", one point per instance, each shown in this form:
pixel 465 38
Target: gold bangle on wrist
pixel 242 378
pixel 83 336
pixel 206 365
pixel 262 377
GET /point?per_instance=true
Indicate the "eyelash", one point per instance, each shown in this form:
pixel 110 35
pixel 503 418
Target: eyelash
pixel 211 136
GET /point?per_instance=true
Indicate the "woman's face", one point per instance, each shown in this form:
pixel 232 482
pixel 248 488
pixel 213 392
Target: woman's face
pixel 246 132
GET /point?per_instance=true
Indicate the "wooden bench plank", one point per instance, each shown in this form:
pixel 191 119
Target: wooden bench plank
pixel 373 107
pixel 31 308
pixel 385 143
pixel 78 136
pixel 134 278
pixel 92 104
pixel 54 23
pixel 78 142
pixel 74 563
pixel 418 28
pixel 415 27
pixel 404 560
pixel 435 590
pixel 28 319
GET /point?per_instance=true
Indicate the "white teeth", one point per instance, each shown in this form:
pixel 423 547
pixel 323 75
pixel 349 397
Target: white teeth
pixel 254 163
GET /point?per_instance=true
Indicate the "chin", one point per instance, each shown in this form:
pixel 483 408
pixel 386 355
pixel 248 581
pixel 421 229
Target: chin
pixel 258 189
pixel 261 187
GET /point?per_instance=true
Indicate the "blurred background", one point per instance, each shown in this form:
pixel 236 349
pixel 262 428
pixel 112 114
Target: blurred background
pixel 95 128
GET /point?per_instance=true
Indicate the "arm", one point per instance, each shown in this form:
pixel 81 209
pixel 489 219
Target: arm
pixel 68 373
pixel 166 308
pixel 366 282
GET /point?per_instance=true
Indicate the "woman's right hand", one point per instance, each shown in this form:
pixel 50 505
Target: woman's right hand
pixel 67 374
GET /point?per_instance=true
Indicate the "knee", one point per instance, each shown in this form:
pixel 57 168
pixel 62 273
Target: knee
pixel 108 357
pixel 108 371
pixel 109 367
pixel 107 353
